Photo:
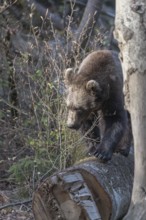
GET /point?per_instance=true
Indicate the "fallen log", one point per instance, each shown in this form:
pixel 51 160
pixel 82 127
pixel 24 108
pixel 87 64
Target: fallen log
pixel 90 190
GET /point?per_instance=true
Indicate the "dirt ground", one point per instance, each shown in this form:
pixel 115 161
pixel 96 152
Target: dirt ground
pixel 17 213
pixel 11 211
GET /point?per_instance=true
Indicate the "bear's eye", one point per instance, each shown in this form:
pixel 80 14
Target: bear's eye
pixel 79 110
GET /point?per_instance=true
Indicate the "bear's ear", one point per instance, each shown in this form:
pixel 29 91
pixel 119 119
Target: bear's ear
pixel 68 75
pixel 93 86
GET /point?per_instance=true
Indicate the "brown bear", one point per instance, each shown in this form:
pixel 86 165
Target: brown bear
pixel 95 102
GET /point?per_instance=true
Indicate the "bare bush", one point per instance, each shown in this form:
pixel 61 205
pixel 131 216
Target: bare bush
pixel 34 139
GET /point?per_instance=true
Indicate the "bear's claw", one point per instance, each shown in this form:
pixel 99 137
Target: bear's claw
pixel 102 155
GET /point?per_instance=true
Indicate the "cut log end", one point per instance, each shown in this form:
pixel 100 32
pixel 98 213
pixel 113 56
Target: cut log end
pixel 68 198
pixel 87 191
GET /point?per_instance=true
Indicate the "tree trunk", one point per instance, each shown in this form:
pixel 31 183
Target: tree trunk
pixel 131 35
pixel 89 19
pixel 87 191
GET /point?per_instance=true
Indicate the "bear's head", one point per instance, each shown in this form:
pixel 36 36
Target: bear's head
pixel 83 96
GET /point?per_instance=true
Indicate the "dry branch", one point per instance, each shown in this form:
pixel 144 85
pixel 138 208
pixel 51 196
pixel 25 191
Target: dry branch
pixel 54 18
pixel 89 190
pixel 89 19
pixel 15 204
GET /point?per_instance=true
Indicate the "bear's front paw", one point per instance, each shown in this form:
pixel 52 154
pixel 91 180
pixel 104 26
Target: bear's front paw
pixel 103 154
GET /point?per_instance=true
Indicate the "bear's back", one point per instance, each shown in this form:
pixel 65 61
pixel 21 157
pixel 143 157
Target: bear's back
pixel 99 65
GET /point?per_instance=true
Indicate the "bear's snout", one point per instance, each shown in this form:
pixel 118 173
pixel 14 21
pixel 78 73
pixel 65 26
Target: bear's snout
pixel 73 121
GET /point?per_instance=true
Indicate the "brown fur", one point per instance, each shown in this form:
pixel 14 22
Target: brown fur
pixel 96 89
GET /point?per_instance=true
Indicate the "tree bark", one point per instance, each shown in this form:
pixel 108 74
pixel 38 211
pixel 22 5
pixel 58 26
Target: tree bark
pixel 90 190
pixel 131 34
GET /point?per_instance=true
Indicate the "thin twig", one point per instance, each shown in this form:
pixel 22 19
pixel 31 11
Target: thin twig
pixel 15 204
pixel 9 6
